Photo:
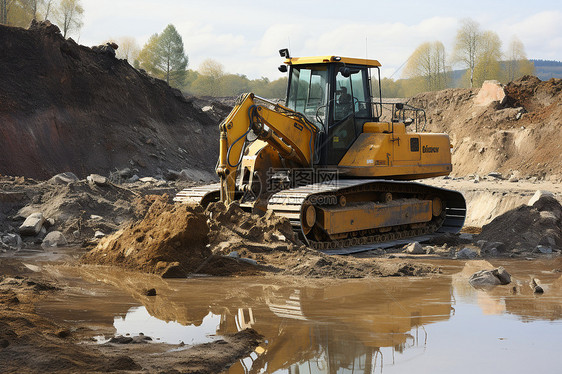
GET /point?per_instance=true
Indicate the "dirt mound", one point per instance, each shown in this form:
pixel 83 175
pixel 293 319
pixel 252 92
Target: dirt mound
pixel 170 241
pixel 66 107
pixel 527 226
pixel 180 240
pixel 519 136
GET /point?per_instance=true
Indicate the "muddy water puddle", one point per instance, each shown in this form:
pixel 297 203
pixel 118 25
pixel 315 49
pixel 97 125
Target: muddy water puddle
pixel 437 324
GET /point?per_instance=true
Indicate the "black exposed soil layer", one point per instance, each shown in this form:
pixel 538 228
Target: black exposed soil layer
pixel 67 107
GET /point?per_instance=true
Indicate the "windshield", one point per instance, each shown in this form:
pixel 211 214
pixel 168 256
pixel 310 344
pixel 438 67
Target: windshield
pixel 308 92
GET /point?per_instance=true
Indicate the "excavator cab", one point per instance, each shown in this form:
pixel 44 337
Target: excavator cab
pixel 335 94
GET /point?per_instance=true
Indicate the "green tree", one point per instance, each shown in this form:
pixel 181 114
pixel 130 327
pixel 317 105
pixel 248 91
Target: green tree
pixel 163 56
pixel 427 67
pixel 68 16
pixel 517 63
pixel 488 58
pixel 467 46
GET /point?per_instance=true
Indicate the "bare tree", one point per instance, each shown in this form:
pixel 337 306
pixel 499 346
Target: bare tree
pixel 32 6
pixel 128 48
pixel 47 5
pixel 69 16
pixel 517 63
pixel 488 58
pixel 428 65
pixel 467 45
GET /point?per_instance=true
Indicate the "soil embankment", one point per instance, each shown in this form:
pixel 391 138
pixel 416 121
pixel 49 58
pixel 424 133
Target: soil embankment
pixel 67 107
pixel 518 135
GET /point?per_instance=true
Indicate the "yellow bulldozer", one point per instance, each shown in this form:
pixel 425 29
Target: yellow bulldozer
pixel 327 161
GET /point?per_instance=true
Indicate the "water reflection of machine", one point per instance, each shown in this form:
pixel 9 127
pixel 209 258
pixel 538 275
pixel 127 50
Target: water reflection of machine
pixel 343 326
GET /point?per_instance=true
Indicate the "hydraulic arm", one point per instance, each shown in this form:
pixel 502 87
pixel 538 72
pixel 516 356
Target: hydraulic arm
pixel 287 131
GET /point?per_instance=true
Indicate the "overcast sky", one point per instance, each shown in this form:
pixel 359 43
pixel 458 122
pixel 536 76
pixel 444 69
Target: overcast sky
pixel 245 35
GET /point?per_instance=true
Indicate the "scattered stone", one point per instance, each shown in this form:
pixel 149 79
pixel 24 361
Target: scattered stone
pixel 466 253
pixel 489 278
pixel 150 292
pixel 97 179
pixel 121 339
pixel 32 224
pixel 495 174
pixel 148 180
pixel 483 278
pixel 514 179
pixel 466 236
pixel 99 235
pixel 536 286
pixel 249 261
pixel 502 275
pixel 95 217
pixel 125 173
pixel 538 195
pixel 414 248
pixel 543 249
pixel 171 175
pixel 54 239
pixel 12 240
pixel 64 178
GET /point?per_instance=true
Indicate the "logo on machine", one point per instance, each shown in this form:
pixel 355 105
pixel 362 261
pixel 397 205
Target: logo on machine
pixel 428 149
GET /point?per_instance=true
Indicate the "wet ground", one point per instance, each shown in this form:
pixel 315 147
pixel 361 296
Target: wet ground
pixel 437 324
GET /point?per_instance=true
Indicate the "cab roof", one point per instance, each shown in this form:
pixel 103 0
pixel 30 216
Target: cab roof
pixel 331 60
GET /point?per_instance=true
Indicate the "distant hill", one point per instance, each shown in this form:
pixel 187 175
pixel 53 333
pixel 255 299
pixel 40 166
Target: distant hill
pixel 546 69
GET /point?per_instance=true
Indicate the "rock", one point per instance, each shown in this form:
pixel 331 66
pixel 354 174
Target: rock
pixel 538 195
pixel 148 180
pixel 495 174
pixel 49 222
pixel 249 261
pixel 491 91
pixel 484 278
pixel 97 179
pixel 502 275
pixel 207 108
pixel 414 248
pixel 542 249
pixel 234 254
pixel 32 224
pixel 95 217
pixel 465 236
pixel 54 239
pixel 12 240
pixel 121 339
pixel 64 178
pixel 133 179
pixel 536 286
pixel 489 278
pixel 171 175
pixel 150 292
pixel 466 253
pixel 514 179
pixel 490 248
pixel 125 173
pixel 99 235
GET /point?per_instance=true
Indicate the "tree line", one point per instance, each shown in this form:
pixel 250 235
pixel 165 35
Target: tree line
pixel 478 52
pixel 429 68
